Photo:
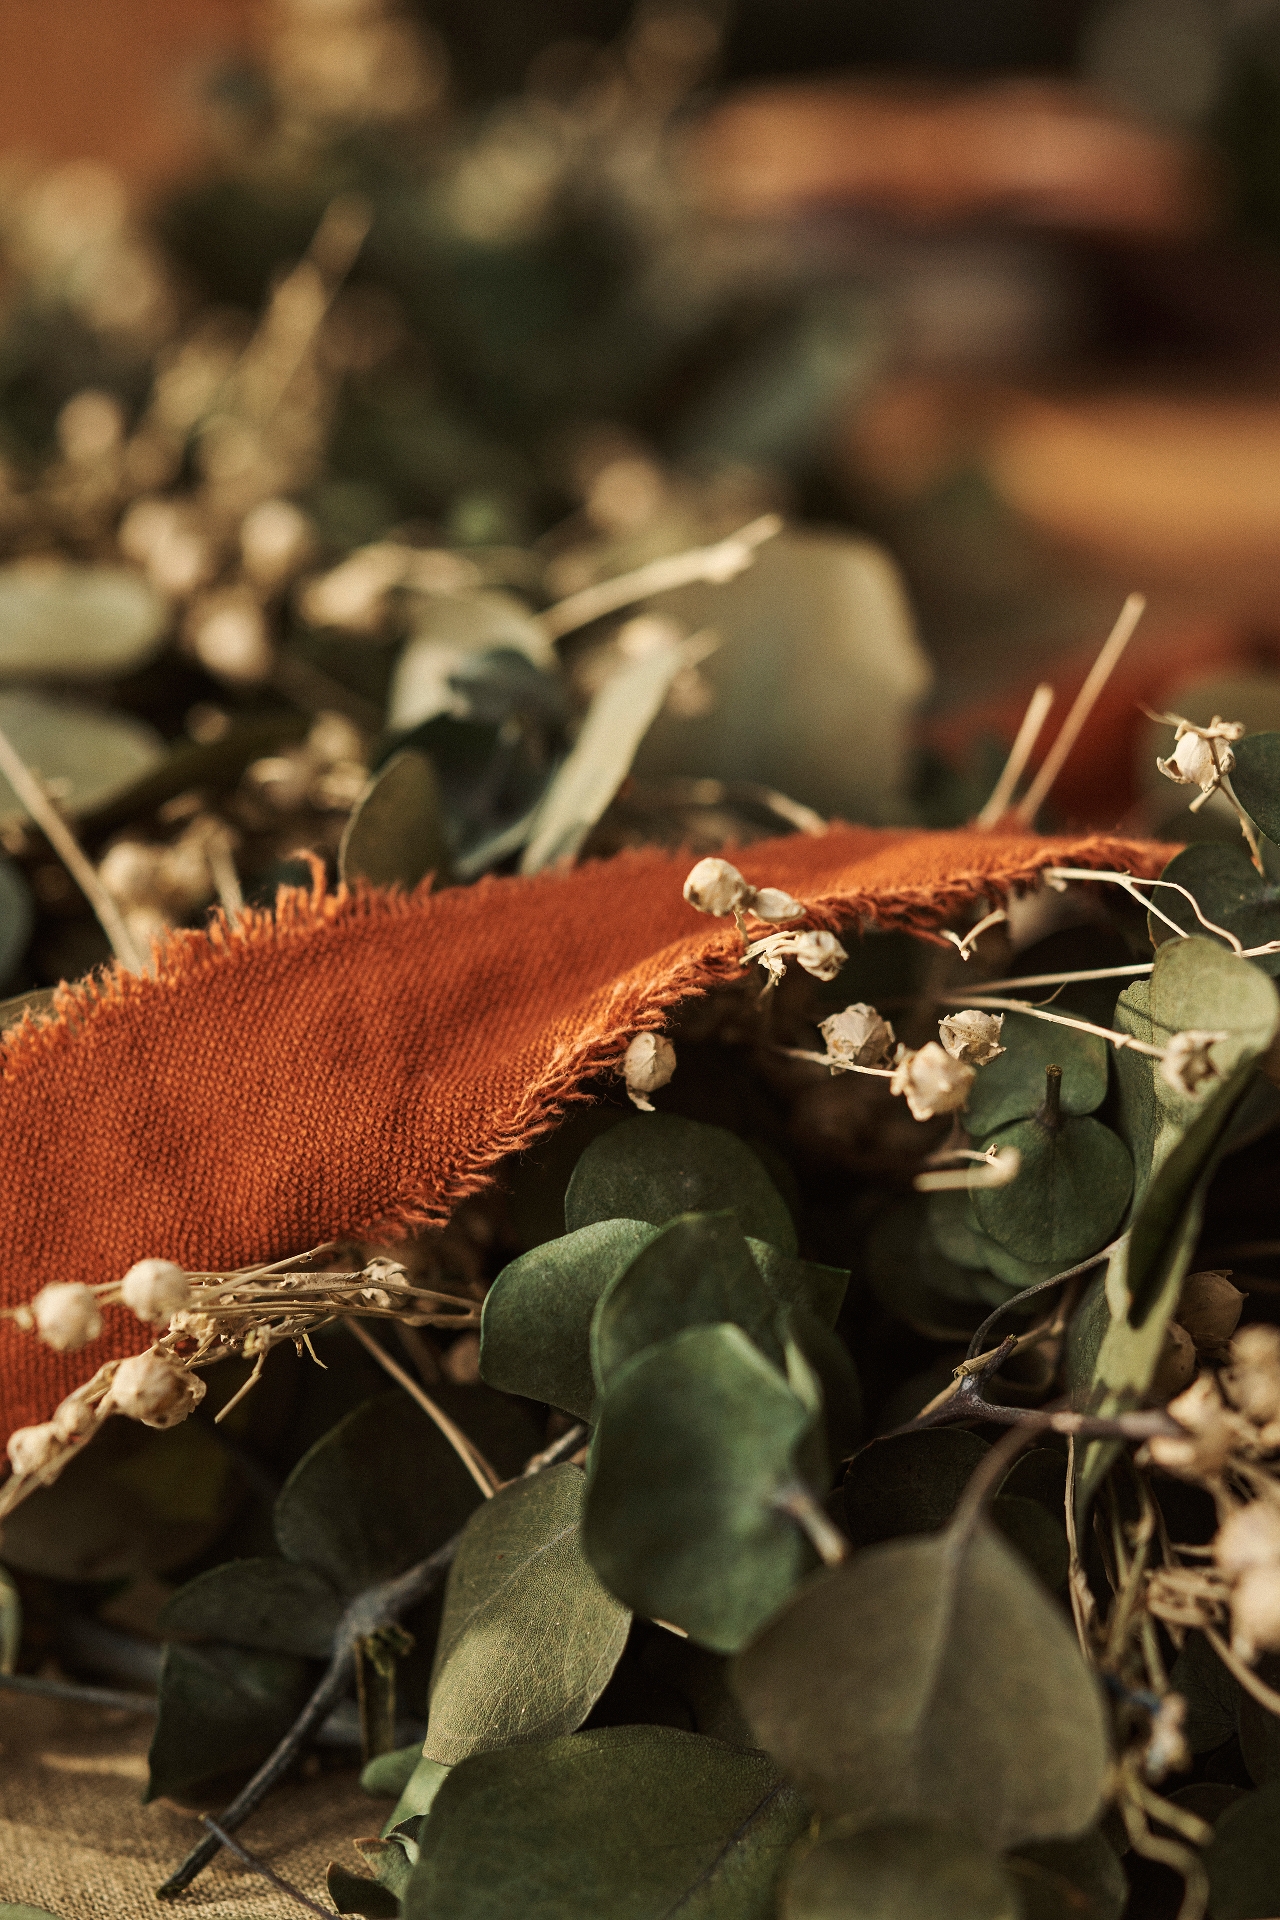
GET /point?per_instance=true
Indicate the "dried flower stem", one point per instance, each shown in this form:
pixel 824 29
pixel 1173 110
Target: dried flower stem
pixel 714 564
pixel 826 1540
pixel 31 791
pixel 995 1003
pixel 1023 746
pixel 1266 1696
pixel 1130 883
pixel 469 1454
pixel 964 944
pixel 1100 672
pixel 837 1066
pixel 254 1865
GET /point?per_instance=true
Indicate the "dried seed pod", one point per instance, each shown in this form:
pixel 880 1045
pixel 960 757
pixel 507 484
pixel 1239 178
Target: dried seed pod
pixel 932 1081
pixel 32 1448
pixel 1212 1433
pixel 155 1290
pixel 714 886
pixel 1185 1064
pixel 858 1037
pixel 818 953
pixel 1209 1308
pixel 972 1036
pixel 647 1064
pixel 66 1315
pixel 775 905
pixel 1176 1367
pixel 1255 1612
pixel 150 1388
pixel 1192 763
pixel 1250 1537
pixel 1252 1381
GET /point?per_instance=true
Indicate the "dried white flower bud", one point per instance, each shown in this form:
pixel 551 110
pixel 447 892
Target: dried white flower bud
pixel 1167 1749
pixel 1209 1308
pixel 647 1064
pixel 66 1315
pixel 90 427
pixel 1192 763
pixel 150 1388
pixel 155 1290
pixel 775 905
pixel 972 1036
pixel 275 543
pixel 333 738
pixel 1255 1612
pixel 1185 1064
pixel 73 1418
pixel 227 632
pixel 1250 1537
pixel 32 1448
pixel 1252 1381
pixel 354 594
pixel 1212 1432
pixel 932 1081
pixel 132 873
pixel 858 1037
pixel 818 953
pixel 713 886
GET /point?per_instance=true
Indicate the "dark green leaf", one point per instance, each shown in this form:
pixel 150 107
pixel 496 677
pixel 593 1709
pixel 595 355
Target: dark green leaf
pixel 92 753
pixel 913 1280
pixel 658 1165
pixel 535 1329
pixel 353 1893
pixel 1212 1694
pixel 61 622
pixel 1256 780
pixel 10 1622
pixel 419 1793
pixel 222 1709
pixel 806 1282
pixel 394 1855
pixel 632 1823
pixel 1257 1726
pixel 840 1383
pixel 387 1776
pixel 696 1438
pixel 1040 1539
pixel 1243 1859
pixel 1070 1879
pixel 529 1636
pixel 1231 892
pixel 908 1483
pixel 909 1872
pixel 1039 1474
pixel 395 835
pixel 1069 1195
pixel 1011 1087
pixel 267 1604
pixel 950 1687
pixel 377 1494
pixel 696 1272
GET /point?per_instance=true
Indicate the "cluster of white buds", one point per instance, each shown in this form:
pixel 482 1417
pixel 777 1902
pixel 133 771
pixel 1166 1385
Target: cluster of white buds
pixel 647 1064
pixel 858 1037
pixel 154 1389
pixel 155 1290
pixel 715 886
pixel 157 886
pixel 932 1081
pixel 972 1036
pixel 1185 1064
pixel 227 631
pixel 1201 756
pixel 820 954
pixel 1247 1549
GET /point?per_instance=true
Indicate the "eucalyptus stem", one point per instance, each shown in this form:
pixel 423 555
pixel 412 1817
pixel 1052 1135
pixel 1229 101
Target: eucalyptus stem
pixel 255 1865
pixel 79 1695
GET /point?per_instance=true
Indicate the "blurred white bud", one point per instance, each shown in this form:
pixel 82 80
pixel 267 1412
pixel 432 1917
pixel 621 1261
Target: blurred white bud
pixel 858 1036
pixel 647 1064
pixel 932 1081
pixel 333 738
pixel 818 953
pixel 32 1448
pixel 155 1290
pixel 161 536
pixel 1212 1432
pixel 132 873
pixel 353 595
pixel 66 1315
pixel 1167 1749
pixel 774 904
pixel 1252 1381
pixel 73 1418
pixel 276 541
pixel 1255 1613
pixel 1249 1537
pixel 228 634
pixel 152 1389
pixel 713 886
pixel 1185 1064
pixel 91 427
pixel 972 1036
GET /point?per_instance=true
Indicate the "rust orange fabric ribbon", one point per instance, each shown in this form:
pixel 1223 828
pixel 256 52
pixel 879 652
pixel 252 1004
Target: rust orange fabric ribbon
pixel 357 1062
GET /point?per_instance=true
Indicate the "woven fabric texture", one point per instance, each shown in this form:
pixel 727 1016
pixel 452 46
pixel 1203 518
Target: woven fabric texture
pixel 354 1062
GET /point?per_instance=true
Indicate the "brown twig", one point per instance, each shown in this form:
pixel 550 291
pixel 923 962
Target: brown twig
pixel 258 1866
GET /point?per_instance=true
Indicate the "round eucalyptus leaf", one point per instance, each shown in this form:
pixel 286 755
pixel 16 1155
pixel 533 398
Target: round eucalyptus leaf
pixel 1011 1087
pixel 388 1774
pixel 529 1636
pixel 629 1822
pixel 355 1893
pixel 913 1871
pixel 1039 1539
pixel 66 622
pixel 909 1483
pixel 419 1791
pixel 1258 1728
pixel 696 1438
pixel 659 1165
pixel 221 1709
pixel 535 1326
pixel 950 1687
pixel 266 1604
pixel 1230 892
pixel 395 835
pixel 916 1282
pixel 802 1282
pixel 1256 780
pixel 1243 1860
pixel 1070 1879
pixel 1212 1695
pixel 17 917
pixel 1069 1195
pixel 90 754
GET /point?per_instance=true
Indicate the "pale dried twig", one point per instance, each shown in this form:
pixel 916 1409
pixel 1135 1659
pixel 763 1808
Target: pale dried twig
pixel 1023 746
pixel 1100 672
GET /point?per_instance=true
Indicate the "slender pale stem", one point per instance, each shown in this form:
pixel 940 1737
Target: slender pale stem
pixel 1023 746
pixel 715 564
pixel 1266 1696
pixel 1131 883
pixel 964 944
pixel 995 1003
pixel 1100 672
pixel 826 1540
pixel 469 1454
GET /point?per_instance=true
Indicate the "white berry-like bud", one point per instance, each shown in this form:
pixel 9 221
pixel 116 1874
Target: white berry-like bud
pixel 858 1037
pixel 155 1290
pixel 1255 1612
pixel 1193 758
pixel 133 873
pixel 972 1036
pixel 775 905
pixel 818 953
pixel 1252 1381
pixel 932 1081
pixel 1185 1065
pixel 66 1315
pixel 228 635
pixel 647 1064
pixel 31 1448
pixel 275 543
pixel 714 886
pixel 150 1388
pixel 1250 1537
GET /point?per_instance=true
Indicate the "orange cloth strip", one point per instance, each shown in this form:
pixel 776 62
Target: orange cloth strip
pixel 362 1061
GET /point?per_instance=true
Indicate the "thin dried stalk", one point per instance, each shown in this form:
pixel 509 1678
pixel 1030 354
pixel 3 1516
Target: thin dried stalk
pixel 715 564
pixel 1100 672
pixel 469 1454
pixel 1023 746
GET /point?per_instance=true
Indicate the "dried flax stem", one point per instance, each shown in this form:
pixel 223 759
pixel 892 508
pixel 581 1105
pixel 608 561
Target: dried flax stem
pixel 30 790
pixel 1099 673
pixel 715 564
pixel 1024 743
pixel 469 1454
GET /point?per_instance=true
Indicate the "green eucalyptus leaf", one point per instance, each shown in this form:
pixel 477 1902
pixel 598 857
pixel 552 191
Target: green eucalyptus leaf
pixel 838 1380
pixel 535 1328
pixel 394 1855
pixel 697 1271
pixel 1230 892
pixel 1069 1195
pixel 222 1709
pixel 1070 1879
pixel 1011 1087
pixel 353 1893
pixel 1038 1537
pixel 10 1622
pixel 267 1604
pixel 1212 1694
pixel 529 1636
pixel 395 835
pixel 696 1438
pixel 388 1774
pixel 1255 778
pixel 65 622
pixel 659 1165
pixel 635 1823
pixel 915 1281
pixel 1243 1859
pixel 1257 1727
pixel 805 1283
pixel 420 1790
pixel 1039 1474
pixel 378 1493
pixel 949 1687
pixel 90 752
pixel 908 1483
pixel 912 1871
